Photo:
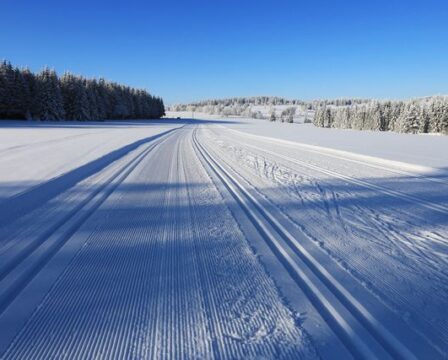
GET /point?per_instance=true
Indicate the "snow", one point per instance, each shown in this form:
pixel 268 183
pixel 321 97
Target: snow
pixel 426 151
pixel 227 238
pixel 37 151
pixel 423 150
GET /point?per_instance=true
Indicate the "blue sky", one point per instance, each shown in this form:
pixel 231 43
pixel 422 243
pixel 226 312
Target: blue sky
pixel 192 50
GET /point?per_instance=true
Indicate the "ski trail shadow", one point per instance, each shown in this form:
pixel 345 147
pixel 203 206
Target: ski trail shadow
pixel 23 203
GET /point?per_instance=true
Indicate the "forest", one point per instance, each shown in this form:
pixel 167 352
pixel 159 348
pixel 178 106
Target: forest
pixel 250 106
pixel 46 96
pixel 265 100
pixel 420 115
pixel 423 115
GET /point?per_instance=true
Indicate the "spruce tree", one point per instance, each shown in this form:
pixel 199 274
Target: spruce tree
pixel 424 120
pixel 409 119
pixel 31 101
pixel 6 89
pixel 92 99
pixel 444 118
pixel 74 93
pixel 49 97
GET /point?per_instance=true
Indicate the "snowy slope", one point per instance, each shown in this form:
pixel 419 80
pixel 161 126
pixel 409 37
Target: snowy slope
pixel 205 239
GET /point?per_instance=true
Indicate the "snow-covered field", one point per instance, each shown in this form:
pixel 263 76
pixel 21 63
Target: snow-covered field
pixel 221 239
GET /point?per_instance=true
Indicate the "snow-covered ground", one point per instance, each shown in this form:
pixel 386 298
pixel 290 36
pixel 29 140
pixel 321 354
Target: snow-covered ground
pixel 33 152
pixel 221 239
pixel 425 150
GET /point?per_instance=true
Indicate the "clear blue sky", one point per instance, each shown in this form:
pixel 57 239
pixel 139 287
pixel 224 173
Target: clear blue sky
pixel 192 50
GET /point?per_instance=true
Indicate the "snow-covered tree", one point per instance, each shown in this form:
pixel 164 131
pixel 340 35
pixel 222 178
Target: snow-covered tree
pixel 24 95
pixel 414 116
pixel 14 92
pixel 31 100
pixel 49 97
pixel 409 119
pixel 76 101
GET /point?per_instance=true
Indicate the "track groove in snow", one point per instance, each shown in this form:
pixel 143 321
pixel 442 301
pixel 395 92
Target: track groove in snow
pixel 391 166
pixel 385 338
pixel 26 261
pixel 197 243
pixel 404 271
pixel 163 272
pixel 428 204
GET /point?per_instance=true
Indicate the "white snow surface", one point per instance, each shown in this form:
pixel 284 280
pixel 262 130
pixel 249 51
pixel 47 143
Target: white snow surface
pixel 221 238
pixel 429 151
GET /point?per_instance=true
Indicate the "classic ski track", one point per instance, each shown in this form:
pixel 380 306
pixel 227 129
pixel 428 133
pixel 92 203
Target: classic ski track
pixel 224 337
pixel 399 297
pixel 325 152
pixel 331 204
pixel 17 273
pixel 359 312
pixel 170 316
pixel 100 345
pixel 394 193
pixel 6 267
pixel 211 323
pixel 360 210
pixel 157 316
pixel 198 320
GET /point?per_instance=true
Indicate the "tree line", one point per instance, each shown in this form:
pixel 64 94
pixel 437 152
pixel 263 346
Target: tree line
pixel 243 106
pixel 425 115
pixel 263 107
pixel 46 96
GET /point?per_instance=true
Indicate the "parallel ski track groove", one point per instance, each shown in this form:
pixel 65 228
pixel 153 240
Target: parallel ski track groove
pixel 212 318
pixel 192 317
pixel 224 331
pixel 397 194
pixel 424 329
pixel 385 338
pixel 90 342
pixel 8 293
pixel 309 148
pixel 12 261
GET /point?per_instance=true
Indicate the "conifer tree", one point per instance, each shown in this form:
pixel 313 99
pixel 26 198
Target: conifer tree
pixel 49 97
pixel 24 95
pixel 424 120
pixel 6 89
pixel 31 102
pixel 444 118
pixel 409 119
pixel 74 93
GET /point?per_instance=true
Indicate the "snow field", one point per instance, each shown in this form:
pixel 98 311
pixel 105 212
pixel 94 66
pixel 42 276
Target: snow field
pixel 356 230
pixel 156 277
pixel 188 239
